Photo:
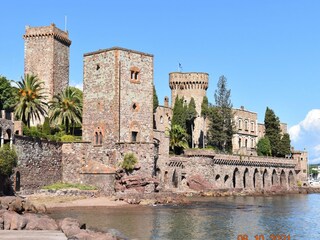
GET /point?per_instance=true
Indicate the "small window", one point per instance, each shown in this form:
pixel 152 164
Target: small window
pixel 134 136
pixel 96 138
pixel 240 124
pixel 100 138
pixel 246 143
pixel 239 142
pixel 134 75
pixel 134 106
pixel 246 125
pixel 252 126
pixel 252 143
pixel 97 67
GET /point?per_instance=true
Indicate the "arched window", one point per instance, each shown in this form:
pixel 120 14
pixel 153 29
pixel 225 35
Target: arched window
pixel 246 125
pixel 96 138
pixel 100 138
pixel 240 124
pixel 161 119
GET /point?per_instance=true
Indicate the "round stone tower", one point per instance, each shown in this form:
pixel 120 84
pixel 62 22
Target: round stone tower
pixel 191 85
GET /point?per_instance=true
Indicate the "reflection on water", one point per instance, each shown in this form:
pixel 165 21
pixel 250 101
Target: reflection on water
pixel 210 218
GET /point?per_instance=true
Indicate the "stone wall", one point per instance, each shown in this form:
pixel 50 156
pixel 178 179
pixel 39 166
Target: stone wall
pixel 39 163
pixel 203 171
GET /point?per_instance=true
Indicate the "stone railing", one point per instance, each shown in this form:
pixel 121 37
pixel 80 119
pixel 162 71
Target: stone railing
pixel 228 159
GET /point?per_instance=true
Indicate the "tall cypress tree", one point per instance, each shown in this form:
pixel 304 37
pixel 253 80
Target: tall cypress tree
pixel 191 114
pixel 215 130
pixel 179 113
pixel 155 99
pixel 285 145
pixel 223 115
pixel 273 132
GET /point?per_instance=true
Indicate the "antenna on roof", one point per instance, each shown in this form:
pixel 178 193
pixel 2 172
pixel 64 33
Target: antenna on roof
pixel 65 23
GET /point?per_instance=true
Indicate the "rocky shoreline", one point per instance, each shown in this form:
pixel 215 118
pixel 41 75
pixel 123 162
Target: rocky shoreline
pixel 18 213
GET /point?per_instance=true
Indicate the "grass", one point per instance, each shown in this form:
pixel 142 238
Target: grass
pixel 60 185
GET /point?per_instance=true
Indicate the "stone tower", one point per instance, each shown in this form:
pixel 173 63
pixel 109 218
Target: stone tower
pixel 191 85
pixel 118 93
pixel 46 55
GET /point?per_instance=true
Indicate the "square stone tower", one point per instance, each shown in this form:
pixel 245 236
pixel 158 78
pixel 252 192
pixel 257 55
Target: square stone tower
pixel 118 94
pixel 46 55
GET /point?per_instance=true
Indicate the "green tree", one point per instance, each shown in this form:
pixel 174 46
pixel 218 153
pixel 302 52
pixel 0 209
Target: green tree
pixel 179 113
pixel 155 99
pixel 31 100
pixel 273 132
pixel 216 135
pixel 191 114
pixel 205 107
pixel 66 108
pixel 8 160
pixel 205 110
pixel 7 94
pixel 178 139
pixel 285 145
pixel 223 129
pixel 264 147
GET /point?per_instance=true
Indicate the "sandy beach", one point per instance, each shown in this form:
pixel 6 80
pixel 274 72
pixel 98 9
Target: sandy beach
pixel 73 201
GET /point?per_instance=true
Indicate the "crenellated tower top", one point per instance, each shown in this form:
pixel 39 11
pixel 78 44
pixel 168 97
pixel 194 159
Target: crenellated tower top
pixel 188 85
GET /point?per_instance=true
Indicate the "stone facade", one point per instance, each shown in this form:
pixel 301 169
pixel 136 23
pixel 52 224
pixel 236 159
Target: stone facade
pixel 118 96
pixel 7 128
pixel 246 137
pixel 163 116
pixel 46 54
pixel 301 158
pixel 191 85
pixel 39 163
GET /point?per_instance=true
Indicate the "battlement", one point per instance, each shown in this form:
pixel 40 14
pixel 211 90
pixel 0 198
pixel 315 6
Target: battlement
pixel 47 31
pixel 189 80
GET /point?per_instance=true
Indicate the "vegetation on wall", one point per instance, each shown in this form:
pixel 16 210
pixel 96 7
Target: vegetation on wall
pixel 8 160
pixel 129 161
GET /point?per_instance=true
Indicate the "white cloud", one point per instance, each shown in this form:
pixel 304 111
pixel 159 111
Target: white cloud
pixel 80 86
pixel 306 135
pixel 309 125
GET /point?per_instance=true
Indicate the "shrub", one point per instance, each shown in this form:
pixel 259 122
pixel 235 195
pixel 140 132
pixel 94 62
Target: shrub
pixel 68 138
pixel 8 160
pixel 129 161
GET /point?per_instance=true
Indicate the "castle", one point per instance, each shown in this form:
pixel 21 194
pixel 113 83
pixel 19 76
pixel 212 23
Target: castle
pixel 118 119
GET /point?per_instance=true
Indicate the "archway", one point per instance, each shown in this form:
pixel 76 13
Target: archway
pixel 7 136
pixel 283 179
pixel 274 178
pixel 291 179
pixel 236 178
pixel 245 178
pixel 256 179
pixel 265 176
pixel 175 179
pixel 226 181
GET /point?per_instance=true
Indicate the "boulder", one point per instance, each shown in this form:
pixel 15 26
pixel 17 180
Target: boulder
pixel 40 222
pixel 69 226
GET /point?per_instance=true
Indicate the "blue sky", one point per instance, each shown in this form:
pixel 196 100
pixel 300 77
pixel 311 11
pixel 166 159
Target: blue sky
pixel 268 50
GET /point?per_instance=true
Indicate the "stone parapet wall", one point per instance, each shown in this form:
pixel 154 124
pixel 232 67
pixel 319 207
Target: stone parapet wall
pixel 39 162
pixel 201 171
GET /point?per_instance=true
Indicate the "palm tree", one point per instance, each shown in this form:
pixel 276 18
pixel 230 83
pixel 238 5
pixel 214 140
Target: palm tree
pixel 178 139
pixel 31 100
pixel 66 108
